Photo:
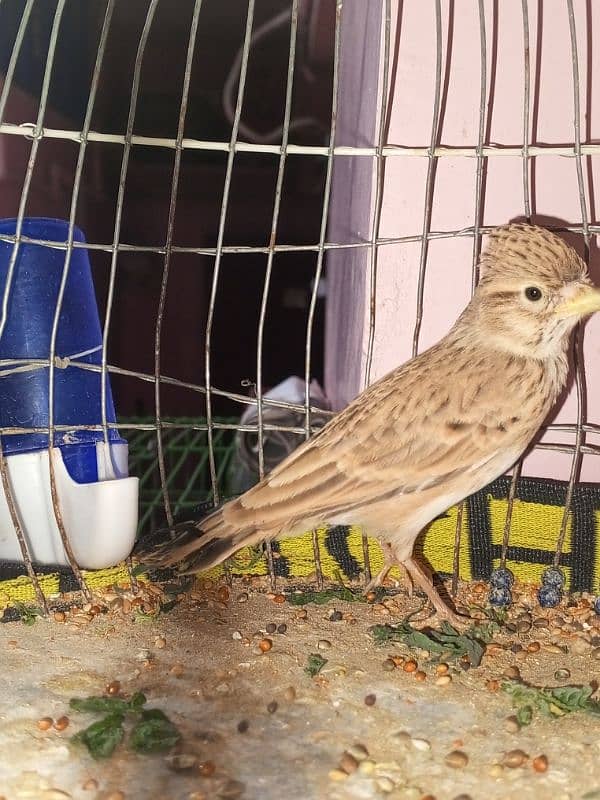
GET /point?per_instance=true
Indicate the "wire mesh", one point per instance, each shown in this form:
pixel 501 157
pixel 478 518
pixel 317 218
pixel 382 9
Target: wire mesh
pixel 179 441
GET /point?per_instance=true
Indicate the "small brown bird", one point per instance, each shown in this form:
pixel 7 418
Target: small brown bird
pixel 431 432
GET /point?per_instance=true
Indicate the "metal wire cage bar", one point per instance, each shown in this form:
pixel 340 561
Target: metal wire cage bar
pixel 203 438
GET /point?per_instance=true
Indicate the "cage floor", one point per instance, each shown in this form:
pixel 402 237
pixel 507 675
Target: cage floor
pixel 202 664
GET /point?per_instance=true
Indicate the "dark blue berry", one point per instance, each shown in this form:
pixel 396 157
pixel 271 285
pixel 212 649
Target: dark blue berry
pixel 502 578
pixel 549 596
pixel 553 577
pixel 499 596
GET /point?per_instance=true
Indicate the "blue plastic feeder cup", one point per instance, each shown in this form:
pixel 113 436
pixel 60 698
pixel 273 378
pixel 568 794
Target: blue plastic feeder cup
pixel 32 301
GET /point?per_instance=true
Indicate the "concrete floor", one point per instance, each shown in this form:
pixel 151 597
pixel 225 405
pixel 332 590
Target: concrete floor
pixel 201 664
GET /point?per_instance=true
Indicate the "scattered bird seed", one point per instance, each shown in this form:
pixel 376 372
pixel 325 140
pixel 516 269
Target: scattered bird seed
pixel 242 597
pixel 554 648
pixel 463 797
pixel 272 706
pixel 388 665
pixel 492 685
pixel 348 763
pixel 358 751
pixel 289 694
pixel 579 646
pixel 116 795
pixel 511 724
pixel 457 759
pixel 366 767
pixel 512 672
pixel 160 642
pixel 237 635
pixel 324 644
pixel 182 762
pixel 222 594
pixel 265 645
pixel 206 769
pixel 336 616
pixel 562 674
pixel 243 726
pixel 514 759
pixel 540 622
pixel 90 785
pixel 337 775
pixel 279 598
pixel 61 724
pixel 443 680
pixel 45 723
pixel 421 744
pixel 596 653
pixel 420 676
pixel 113 688
pixel 370 700
pixel 385 785
pixel 533 647
pixel 59 616
pixel 540 763
pixel 496 770
pixel 523 626
pixel 271 627
pixel 410 665
pixel 282 628
pixel 442 669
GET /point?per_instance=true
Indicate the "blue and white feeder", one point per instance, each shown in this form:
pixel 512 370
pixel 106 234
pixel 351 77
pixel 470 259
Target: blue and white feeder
pixel 98 501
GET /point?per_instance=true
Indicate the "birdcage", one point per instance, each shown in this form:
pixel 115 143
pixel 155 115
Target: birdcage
pixel 305 195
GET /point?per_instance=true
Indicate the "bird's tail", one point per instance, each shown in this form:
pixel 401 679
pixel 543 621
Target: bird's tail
pixel 196 546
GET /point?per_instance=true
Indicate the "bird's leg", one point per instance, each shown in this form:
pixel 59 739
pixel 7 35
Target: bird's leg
pixel 389 561
pixel 424 581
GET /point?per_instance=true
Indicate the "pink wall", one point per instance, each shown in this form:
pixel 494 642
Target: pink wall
pixel 553 179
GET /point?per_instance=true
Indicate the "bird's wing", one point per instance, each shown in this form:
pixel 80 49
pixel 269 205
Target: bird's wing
pixel 407 433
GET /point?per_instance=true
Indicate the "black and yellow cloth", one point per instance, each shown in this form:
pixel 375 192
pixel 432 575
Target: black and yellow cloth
pixel 535 526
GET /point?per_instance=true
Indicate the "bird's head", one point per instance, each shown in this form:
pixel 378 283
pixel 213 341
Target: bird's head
pixel 534 289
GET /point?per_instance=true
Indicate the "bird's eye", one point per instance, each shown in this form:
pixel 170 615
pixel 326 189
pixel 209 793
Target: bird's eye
pixel 533 293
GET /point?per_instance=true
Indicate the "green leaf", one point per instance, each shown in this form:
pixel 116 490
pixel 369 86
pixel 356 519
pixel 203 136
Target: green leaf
pixel 28 614
pixel 524 715
pixel 136 702
pixel 100 703
pixel 315 664
pixel 550 701
pixel 320 598
pixel 103 736
pixel 153 733
pixel 444 642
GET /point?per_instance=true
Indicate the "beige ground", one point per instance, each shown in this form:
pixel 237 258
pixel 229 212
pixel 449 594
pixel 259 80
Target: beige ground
pixel 190 665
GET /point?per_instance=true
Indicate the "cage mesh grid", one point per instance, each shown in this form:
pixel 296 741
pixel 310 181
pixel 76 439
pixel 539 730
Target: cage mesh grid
pixel 36 131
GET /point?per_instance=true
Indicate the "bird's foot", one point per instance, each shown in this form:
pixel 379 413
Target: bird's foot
pixel 424 581
pixel 390 561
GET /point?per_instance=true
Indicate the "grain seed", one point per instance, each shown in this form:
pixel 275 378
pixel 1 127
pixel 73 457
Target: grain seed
pixel 457 759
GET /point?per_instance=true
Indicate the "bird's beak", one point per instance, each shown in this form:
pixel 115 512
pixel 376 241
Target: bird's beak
pixel 584 300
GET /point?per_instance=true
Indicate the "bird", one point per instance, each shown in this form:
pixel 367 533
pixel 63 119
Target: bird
pixel 432 431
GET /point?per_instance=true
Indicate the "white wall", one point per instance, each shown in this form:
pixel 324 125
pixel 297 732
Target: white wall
pixel 554 188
